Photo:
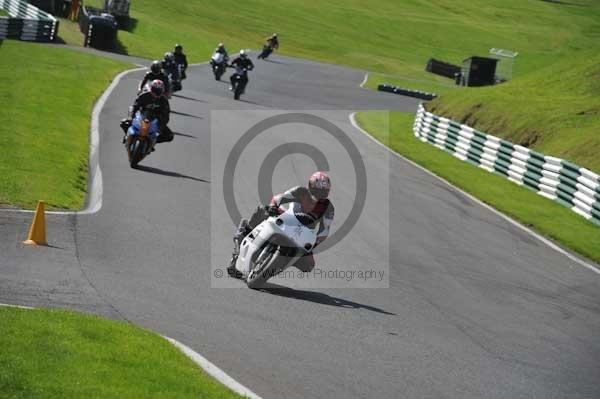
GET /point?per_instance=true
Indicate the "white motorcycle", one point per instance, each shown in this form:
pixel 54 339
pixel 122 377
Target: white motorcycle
pixel 276 244
pixel 219 63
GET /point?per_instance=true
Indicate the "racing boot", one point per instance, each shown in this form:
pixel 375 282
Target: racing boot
pixel 125 125
pixel 241 232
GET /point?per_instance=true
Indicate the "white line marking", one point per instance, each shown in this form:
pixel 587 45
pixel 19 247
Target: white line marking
pixel 364 80
pixel 513 222
pixel 213 370
pixel 94 200
pixel 8 305
pixel 200 361
pixel 199 64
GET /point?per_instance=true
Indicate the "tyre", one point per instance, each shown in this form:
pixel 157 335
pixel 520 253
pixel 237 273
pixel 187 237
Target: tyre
pixel 134 151
pixel 264 268
pixel 219 73
pixel 143 149
pixel 138 152
pixel 265 54
pixel 237 91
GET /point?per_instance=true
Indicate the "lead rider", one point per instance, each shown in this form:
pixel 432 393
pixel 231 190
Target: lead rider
pixel 311 200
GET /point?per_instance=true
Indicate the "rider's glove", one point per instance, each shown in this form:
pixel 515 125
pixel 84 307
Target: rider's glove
pixel 125 124
pixel 272 210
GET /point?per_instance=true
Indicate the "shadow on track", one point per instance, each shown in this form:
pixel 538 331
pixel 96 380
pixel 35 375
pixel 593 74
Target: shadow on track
pixel 53 247
pixel 249 102
pixel 184 114
pixel 187 98
pixel 185 135
pixel 157 171
pixel 318 297
pixel 276 62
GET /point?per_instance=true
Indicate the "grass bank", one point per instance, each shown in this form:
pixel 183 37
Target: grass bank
pixel 547 217
pixel 382 35
pixel 47 101
pixel 57 354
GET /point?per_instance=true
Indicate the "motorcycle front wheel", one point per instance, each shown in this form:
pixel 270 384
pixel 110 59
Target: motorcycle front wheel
pixel 137 150
pixel 264 267
pixel 218 73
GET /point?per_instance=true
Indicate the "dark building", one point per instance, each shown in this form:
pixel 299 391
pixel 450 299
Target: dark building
pixel 478 71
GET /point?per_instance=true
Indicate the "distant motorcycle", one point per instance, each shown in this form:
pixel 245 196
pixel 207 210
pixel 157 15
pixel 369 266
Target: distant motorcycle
pixel 173 72
pixel 174 81
pixel 219 64
pixel 266 52
pixel 181 70
pixel 239 82
pixel 141 137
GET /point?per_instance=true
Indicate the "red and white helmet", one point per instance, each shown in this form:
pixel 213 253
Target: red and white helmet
pixel 319 185
pixel 157 88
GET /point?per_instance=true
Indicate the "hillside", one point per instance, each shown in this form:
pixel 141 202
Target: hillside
pixel 383 35
pixel 550 105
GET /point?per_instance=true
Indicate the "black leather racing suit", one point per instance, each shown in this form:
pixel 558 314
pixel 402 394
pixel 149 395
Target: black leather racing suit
pixel 273 43
pixel 242 66
pixel 181 59
pixel 150 76
pixel 155 108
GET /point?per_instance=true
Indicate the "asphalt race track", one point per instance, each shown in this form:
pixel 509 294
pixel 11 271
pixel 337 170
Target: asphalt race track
pixel 474 307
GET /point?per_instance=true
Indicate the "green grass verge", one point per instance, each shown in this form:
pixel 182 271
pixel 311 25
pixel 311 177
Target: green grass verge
pixel 68 32
pixel 3 13
pixel 545 216
pixel 46 106
pixel 58 354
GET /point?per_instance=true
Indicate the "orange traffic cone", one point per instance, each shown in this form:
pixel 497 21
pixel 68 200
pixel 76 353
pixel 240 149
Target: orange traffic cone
pixel 37 231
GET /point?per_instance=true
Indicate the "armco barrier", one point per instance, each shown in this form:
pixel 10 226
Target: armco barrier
pixel 406 92
pixel 26 22
pixel 574 187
